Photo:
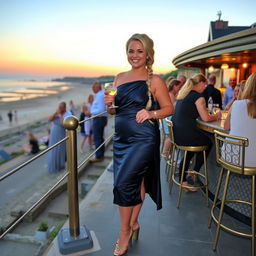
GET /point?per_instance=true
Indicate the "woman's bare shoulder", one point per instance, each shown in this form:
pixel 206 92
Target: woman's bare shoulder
pixel 157 80
pixel 119 78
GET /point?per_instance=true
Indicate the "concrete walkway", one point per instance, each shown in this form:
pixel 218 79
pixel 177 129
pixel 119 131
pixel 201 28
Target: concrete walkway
pixel 166 232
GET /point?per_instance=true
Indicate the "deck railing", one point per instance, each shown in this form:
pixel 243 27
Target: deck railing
pixel 70 123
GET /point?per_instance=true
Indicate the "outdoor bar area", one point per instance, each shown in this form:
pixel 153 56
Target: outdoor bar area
pixel 226 54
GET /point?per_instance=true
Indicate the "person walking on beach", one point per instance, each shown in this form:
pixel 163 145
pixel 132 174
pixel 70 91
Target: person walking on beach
pixel 15 113
pixel 57 155
pixel 142 98
pixel 99 122
pixel 72 107
pixel 10 115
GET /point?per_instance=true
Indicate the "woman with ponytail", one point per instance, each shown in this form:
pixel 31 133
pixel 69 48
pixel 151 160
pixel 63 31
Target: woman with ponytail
pixel 142 98
pixel 189 106
pixel 241 119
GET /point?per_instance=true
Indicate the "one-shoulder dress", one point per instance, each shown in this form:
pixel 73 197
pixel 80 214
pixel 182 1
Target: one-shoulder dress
pixel 136 147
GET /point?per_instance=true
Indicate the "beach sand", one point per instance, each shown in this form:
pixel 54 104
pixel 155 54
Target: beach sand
pixel 32 110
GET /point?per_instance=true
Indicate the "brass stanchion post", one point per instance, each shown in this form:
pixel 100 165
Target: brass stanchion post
pixel 76 238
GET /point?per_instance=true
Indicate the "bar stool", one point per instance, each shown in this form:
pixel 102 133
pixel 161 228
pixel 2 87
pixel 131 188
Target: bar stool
pixel 170 158
pixel 173 173
pixel 230 154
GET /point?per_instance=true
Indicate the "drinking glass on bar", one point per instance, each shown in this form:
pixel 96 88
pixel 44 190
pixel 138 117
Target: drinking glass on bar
pixel 112 90
pixel 215 108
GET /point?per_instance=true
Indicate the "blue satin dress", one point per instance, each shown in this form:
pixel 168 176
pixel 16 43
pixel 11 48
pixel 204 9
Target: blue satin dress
pixel 136 147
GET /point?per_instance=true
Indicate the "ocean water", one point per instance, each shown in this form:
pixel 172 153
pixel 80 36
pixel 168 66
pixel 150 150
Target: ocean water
pixel 22 88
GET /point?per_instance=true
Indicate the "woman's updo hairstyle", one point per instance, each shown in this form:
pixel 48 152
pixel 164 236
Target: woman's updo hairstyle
pixel 189 85
pixel 148 44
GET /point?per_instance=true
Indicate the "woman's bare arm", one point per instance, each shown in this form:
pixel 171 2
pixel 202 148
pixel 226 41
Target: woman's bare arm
pixel 202 110
pixel 227 121
pixel 160 93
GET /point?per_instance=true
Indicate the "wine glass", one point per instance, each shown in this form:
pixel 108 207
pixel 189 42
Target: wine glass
pixel 112 90
pixel 216 108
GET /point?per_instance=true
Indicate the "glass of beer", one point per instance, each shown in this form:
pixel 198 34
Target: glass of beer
pixel 112 90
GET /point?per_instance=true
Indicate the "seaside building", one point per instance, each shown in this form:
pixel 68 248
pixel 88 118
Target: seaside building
pixel 229 51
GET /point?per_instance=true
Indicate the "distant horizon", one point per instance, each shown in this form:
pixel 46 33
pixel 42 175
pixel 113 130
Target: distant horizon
pixel 37 77
pixel 87 38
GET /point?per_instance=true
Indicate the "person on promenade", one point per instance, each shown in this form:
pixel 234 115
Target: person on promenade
pixel 86 127
pixel 228 94
pixel 173 88
pixel 57 155
pixel 182 78
pixel 241 120
pixel 191 105
pixel 10 115
pixel 142 98
pixel 211 91
pixel 32 147
pixel 99 122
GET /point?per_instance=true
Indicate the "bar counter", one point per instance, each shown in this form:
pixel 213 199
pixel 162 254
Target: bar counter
pixel 240 186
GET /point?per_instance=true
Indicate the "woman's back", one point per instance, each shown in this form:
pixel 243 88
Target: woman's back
pixel 184 118
pixel 244 126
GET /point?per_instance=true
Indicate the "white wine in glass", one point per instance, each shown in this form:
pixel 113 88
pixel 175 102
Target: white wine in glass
pixel 112 90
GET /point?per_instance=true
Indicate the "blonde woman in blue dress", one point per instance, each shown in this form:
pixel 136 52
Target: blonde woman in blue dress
pixel 142 98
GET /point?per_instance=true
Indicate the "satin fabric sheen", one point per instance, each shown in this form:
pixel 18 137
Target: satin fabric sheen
pixel 136 148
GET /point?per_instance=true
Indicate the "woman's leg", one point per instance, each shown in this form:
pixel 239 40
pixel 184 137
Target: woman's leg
pixel 188 158
pixel 166 147
pixel 82 143
pixel 90 141
pixel 199 156
pixel 125 229
pixel 136 209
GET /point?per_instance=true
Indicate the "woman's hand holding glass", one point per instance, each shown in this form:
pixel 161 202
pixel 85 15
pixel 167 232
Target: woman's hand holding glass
pixel 218 114
pixel 110 93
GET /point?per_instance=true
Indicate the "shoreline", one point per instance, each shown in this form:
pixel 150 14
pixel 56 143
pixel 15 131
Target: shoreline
pixel 21 94
pixel 36 109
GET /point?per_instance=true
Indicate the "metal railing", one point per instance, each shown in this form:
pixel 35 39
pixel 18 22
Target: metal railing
pixel 71 124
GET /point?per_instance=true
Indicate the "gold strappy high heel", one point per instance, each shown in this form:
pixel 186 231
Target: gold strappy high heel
pixel 122 250
pixel 135 234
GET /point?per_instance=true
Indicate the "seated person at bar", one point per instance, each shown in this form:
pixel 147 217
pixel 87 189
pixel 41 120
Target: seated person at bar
pixel 235 97
pixel 241 120
pixel 228 94
pixel 241 89
pixel 211 91
pixel 173 88
pixel 189 106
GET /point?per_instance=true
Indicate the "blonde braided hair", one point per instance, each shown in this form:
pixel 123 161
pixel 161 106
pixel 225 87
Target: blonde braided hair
pixel 149 47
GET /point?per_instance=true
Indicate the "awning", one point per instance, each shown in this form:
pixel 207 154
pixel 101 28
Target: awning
pixel 233 49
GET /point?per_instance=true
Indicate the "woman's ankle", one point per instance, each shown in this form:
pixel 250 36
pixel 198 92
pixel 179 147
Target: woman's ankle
pixel 135 225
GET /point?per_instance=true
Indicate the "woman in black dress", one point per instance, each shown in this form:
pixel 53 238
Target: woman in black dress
pixel 141 98
pixel 189 106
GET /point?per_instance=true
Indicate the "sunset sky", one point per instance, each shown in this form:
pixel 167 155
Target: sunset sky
pixel 55 38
